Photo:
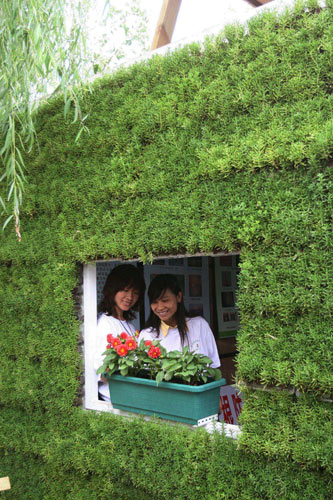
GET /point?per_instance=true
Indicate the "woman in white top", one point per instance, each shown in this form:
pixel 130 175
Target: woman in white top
pixel 169 323
pixel 123 294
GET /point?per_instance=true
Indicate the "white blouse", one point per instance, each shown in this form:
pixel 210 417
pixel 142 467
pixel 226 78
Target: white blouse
pixel 200 339
pixel 105 325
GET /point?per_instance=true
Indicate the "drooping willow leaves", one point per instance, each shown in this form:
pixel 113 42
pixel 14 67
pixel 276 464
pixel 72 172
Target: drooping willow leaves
pixel 43 50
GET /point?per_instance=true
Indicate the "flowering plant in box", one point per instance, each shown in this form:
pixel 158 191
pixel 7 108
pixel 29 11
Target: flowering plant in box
pixel 187 367
pixel 150 359
pixel 124 355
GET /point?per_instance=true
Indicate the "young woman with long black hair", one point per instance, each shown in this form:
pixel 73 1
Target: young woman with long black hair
pixel 169 322
pixel 123 294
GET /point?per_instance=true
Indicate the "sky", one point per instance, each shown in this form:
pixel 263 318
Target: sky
pixel 196 15
pixel 196 19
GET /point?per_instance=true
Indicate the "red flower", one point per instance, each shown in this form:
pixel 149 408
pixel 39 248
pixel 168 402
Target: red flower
pixel 148 342
pixel 157 352
pixel 109 337
pixel 109 346
pixel 131 344
pixel 115 342
pixel 154 352
pixel 136 333
pixel 124 335
pixel 122 350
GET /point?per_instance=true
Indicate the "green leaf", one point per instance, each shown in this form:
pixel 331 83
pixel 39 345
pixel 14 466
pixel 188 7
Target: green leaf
pixel 6 221
pixel 191 366
pixel 67 107
pixel 78 135
pixel 206 360
pixel 168 363
pixel 2 203
pixel 10 191
pixel 101 369
pixel 159 377
pixel 174 354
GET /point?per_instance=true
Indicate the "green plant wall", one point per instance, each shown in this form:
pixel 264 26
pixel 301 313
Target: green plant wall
pixel 226 147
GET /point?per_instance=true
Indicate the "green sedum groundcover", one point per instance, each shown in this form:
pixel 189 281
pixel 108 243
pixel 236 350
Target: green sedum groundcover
pixel 226 147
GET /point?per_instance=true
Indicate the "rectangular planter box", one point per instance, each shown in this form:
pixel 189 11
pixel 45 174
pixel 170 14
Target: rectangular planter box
pixel 183 403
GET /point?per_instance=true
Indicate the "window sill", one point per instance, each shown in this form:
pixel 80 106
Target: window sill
pixel 229 430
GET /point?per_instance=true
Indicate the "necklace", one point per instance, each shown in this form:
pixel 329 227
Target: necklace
pixel 123 324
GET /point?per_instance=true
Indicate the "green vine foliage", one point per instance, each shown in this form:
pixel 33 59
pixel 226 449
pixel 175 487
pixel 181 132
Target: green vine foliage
pixel 223 147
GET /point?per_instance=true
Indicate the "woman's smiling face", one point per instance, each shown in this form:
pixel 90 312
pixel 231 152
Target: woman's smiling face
pixel 165 307
pixel 125 299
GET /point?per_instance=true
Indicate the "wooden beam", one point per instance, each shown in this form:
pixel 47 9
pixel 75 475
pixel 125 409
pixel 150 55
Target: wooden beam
pixel 4 483
pixel 166 23
pixel 257 3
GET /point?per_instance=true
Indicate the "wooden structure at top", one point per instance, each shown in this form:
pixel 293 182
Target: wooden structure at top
pixel 257 3
pixel 168 17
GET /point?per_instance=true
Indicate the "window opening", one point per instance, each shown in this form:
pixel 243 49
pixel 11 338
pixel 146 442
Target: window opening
pixel 209 285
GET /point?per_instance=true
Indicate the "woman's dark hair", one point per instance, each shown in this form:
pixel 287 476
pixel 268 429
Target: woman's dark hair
pixel 121 277
pixel 159 285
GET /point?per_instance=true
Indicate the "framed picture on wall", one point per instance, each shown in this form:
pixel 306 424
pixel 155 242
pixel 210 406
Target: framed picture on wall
pixel 226 272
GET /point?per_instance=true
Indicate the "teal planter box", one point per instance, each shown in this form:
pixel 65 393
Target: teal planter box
pixel 183 403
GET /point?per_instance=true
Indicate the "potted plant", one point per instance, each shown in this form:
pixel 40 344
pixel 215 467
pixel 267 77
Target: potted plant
pixel 145 378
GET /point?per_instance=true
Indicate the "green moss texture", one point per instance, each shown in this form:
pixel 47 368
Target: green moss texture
pixel 226 147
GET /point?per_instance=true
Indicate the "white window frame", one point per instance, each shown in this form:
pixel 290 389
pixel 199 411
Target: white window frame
pixel 91 401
